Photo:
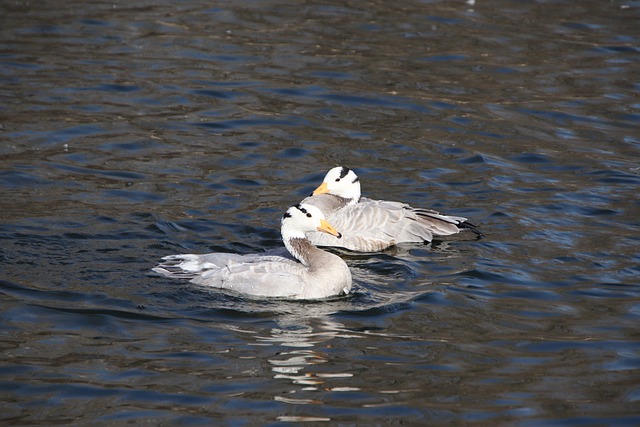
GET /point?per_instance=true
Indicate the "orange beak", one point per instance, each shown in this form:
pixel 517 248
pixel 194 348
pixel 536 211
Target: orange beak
pixel 325 227
pixel 322 189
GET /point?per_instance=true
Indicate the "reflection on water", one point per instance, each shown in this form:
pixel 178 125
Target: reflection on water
pixel 133 131
pixel 303 357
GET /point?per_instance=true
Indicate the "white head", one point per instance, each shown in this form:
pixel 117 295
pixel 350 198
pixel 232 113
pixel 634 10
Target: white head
pixel 301 219
pixel 342 182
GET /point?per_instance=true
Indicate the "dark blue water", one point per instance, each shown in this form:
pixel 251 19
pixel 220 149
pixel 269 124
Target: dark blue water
pixel 131 132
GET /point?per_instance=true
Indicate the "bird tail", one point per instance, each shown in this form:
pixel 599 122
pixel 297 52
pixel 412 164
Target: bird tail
pixel 466 225
pixel 178 266
pixel 447 221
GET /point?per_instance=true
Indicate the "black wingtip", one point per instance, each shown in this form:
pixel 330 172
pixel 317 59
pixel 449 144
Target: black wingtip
pixel 468 226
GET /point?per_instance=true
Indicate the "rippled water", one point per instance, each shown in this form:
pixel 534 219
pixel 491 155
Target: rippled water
pixel 134 131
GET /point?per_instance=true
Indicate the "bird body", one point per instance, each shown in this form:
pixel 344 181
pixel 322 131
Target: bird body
pixel 303 272
pixel 369 225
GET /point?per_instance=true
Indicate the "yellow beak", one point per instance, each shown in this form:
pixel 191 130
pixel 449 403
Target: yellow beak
pixel 328 228
pixel 322 189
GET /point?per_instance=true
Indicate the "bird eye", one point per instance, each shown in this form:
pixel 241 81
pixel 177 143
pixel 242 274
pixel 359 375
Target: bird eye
pixel 308 215
pixel 337 179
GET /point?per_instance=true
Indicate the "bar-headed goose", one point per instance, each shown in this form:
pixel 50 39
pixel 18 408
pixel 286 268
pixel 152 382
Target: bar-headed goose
pixel 372 225
pixel 308 273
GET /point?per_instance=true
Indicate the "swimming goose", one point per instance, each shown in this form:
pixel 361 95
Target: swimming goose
pixel 373 225
pixel 306 272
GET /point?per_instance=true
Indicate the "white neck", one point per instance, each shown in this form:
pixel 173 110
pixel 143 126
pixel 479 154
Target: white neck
pixel 354 195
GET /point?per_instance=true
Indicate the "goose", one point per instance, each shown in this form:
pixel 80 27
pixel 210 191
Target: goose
pixel 303 273
pixel 373 225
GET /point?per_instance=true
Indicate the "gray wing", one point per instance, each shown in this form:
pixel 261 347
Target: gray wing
pixel 271 275
pixel 373 225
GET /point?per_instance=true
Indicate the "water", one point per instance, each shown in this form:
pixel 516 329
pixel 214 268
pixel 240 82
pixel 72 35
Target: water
pixel 134 131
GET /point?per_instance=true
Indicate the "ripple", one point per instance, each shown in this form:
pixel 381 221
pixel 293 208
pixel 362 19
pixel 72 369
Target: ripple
pixel 244 123
pixel 294 153
pixel 244 182
pixel 112 87
pixel 533 158
pixel 214 93
pixel 123 175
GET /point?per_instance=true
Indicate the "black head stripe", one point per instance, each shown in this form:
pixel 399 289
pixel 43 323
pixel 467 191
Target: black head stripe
pixel 356 180
pixel 286 215
pixel 301 209
pixel 344 171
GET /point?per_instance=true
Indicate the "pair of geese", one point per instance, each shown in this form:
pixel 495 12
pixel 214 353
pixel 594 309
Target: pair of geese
pixel 304 271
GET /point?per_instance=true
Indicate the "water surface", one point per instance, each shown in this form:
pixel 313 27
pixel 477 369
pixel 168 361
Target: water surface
pixel 134 131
